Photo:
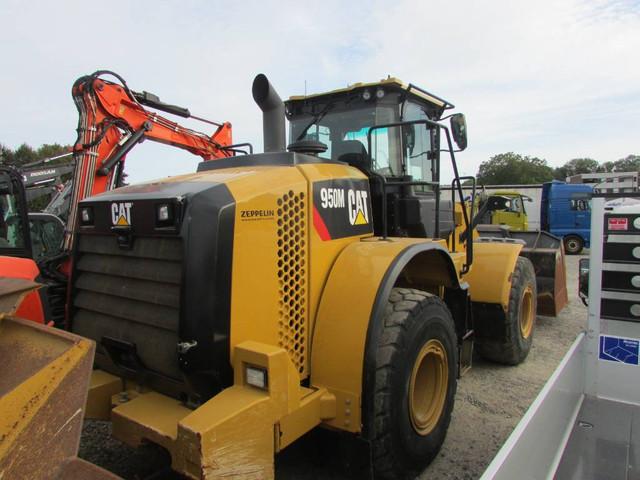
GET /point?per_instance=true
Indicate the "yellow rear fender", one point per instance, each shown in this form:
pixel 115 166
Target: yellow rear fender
pixel 351 311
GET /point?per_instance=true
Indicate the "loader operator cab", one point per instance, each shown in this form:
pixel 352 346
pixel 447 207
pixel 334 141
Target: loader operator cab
pixel 388 130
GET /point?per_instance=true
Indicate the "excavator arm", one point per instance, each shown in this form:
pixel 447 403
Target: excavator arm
pixel 112 120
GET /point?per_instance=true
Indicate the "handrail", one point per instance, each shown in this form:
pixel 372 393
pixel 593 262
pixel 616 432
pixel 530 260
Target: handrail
pixel 468 232
pixel 437 197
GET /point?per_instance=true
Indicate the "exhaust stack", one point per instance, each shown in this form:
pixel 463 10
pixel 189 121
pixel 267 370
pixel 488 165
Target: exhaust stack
pixel 272 114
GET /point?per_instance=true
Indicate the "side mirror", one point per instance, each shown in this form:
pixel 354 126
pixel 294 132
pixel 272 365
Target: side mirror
pixel 459 130
pixel 583 280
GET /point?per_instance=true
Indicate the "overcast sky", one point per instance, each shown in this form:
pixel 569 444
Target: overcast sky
pixel 553 79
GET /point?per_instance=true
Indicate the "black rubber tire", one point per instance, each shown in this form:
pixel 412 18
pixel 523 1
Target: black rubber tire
pixel 573 244
pixel 412 318
pixel 516 348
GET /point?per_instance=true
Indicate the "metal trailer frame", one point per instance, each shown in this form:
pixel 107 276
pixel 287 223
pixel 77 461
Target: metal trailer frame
pixel 585 423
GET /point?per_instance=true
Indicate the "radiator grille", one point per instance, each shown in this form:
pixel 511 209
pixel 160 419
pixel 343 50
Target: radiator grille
pixel 292 270
pixel 131 295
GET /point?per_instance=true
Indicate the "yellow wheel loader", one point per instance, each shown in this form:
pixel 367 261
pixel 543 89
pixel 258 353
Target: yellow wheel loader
pixel 323 284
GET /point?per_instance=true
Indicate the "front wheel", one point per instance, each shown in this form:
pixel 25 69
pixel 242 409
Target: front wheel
pixel 415 383
pixel 573 244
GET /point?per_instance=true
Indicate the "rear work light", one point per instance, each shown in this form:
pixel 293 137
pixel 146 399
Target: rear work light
pixel 86 216
pixel 165 215
pixel 164 212
pixel 256 377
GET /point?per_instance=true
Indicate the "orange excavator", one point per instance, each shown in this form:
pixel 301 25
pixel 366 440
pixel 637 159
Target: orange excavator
pixel 113 119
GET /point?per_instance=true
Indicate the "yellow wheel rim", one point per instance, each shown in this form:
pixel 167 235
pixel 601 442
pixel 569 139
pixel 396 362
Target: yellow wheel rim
pixel 527 312
pixel 428 387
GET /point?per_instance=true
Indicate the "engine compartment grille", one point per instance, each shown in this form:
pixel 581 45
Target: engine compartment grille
pixel 292 278
pixel 132 296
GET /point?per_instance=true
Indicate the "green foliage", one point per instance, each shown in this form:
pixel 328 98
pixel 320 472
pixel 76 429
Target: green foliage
pixel 513 168
pixel 576 166
pixel 25 154
pixel 630 163
pixel 606 167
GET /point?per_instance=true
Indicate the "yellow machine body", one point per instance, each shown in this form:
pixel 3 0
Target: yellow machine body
pixel 235 309
pixel 295 314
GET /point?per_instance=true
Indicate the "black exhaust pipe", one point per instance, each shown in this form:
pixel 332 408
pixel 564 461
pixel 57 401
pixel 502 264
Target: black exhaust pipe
pixel 272 114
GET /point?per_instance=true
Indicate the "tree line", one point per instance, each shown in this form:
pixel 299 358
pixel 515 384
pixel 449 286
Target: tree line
pixel 25 154
pixel 513 168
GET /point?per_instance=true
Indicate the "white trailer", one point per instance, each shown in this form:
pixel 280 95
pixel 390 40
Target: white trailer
pixel 585 423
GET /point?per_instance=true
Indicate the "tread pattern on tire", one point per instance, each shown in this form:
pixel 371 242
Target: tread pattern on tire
pixel 513 351
pixel 405 305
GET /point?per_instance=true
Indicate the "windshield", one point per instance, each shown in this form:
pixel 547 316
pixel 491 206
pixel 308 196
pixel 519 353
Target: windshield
pixel 11 228
pixel 396 151
pixel 59 204
pixel 343 129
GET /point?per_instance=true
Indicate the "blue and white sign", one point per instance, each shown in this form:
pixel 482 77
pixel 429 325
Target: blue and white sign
pixel 618 349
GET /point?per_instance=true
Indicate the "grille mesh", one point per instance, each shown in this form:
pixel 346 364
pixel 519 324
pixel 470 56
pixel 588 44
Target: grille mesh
pixel 292 269
pixel 131 295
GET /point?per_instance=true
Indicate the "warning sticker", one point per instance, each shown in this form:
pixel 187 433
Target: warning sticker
pixel 617 349
pixel 618 223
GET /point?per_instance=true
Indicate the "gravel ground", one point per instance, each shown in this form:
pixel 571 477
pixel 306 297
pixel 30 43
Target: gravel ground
pixel 490 401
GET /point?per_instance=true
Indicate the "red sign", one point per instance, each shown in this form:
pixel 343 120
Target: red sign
pixel 618 224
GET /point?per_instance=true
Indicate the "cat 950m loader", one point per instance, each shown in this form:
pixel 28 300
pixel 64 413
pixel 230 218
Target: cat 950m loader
pixel 237 308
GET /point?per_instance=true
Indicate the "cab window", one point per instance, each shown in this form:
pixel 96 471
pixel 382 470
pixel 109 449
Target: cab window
pixel 516 205
pixel 322 134
pixel 579 202
pixel 580 205
pixel 11 228
pixel 382 163
pixel 417 147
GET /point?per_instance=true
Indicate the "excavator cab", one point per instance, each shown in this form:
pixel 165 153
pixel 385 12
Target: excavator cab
pixel 14 232
pixel 29 244
pixel 22 234
pixel 389 131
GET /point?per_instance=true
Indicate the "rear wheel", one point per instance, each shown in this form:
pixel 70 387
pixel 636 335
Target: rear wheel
pixel 519 319
pixel 415 383
pixel 573 244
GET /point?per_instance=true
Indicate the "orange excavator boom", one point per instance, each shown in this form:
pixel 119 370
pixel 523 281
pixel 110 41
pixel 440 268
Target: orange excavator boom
pixel 112 120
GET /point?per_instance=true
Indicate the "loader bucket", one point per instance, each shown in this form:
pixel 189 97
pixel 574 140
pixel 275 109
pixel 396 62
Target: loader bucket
pixel 44 378
pixel 546 252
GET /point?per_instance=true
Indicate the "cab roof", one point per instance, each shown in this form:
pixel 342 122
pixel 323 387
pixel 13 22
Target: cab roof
pixel 393 82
